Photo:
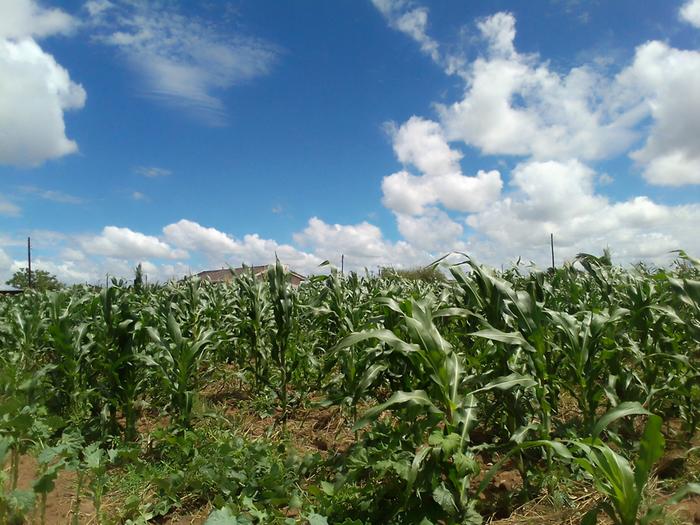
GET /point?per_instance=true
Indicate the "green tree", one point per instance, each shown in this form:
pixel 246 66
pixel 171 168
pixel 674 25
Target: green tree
pixel 41 280
pixel 428 274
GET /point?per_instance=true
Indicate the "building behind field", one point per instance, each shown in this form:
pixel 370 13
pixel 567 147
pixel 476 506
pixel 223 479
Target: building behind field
pixel 226 274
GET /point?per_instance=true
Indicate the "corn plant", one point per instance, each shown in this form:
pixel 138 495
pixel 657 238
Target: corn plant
pixel 116 350
pixel 23 417
pixel 253 307
pixel 621 482
pixel 687 291
pixel 587 344
pixel 516 325
pixel 282 298
pixel 177 361
pixel 339 307
pixel 447 402
pixel 68 349
pixel 685 288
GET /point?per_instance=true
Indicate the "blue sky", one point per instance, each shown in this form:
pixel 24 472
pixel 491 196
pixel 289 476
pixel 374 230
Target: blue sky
pixel 191 135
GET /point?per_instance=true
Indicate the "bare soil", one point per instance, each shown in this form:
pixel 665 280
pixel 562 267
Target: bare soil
pixel 688 510
pixel 59 502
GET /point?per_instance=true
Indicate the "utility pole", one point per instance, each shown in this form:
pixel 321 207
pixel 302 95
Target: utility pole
pixel 342 264
pixel 551 242
pixel 29 262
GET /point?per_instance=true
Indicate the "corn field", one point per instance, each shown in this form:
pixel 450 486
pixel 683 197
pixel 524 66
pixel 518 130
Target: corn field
pixel 356 399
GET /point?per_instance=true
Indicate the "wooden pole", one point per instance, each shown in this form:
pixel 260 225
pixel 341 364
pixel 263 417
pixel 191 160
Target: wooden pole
pixel 29 262
pixel 342 264
pixel 551 242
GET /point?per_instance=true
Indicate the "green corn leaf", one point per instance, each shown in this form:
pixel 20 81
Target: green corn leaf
pixel 153 334
pixel 521 433
pixel 508 382
pixel 369 376
pixel 415 468
pixel 467 416
pixel 398 399
pixel 385 336
pixel 174 329
pixel 512 338
pixel 684 255
pixel 651 448
pixel 455 312
pixel 629 408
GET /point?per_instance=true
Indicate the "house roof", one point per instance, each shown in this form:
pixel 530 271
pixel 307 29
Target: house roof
pixel 215 275
pixel 5 288
pixel 226 274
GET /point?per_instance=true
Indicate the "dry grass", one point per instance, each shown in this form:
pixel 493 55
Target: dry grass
pixel 545 510
pixel 309 429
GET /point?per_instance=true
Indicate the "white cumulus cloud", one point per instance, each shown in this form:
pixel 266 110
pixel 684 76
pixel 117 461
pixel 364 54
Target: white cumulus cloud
pixel 515 104
pixel 128 244
pixel 35 90
pixel 499 32
pixel 26 18
pixel 666 82
pixel 221 249
pixel 432 232
pixel 192 236
pixel 690 12
pixel 561 198
pixel 363 245
pixel 421 143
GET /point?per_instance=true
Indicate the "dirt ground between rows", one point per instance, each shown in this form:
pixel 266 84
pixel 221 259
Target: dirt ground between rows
pixel 60 501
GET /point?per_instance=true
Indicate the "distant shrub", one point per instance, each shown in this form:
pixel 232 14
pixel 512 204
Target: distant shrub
pixel 428 274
